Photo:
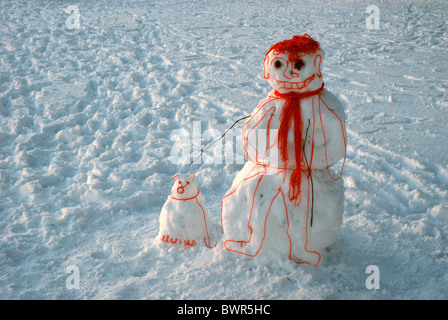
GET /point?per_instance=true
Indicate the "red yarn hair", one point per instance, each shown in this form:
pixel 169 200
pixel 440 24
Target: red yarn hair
pixel 296 47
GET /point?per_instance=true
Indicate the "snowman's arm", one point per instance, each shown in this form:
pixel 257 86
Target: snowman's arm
pixel 260 119
pixel 330 141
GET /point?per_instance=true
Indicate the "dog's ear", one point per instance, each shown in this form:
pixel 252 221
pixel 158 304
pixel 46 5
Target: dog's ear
pixel 192 175
pixel 175 177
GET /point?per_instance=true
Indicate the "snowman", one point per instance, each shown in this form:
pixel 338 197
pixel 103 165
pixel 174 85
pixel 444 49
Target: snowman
pixel 184 218
pixel 287 201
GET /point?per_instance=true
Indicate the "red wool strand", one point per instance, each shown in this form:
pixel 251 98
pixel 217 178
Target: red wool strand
pixel 291 111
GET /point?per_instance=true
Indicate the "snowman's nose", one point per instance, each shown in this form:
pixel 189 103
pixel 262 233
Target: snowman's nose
pixel 289 72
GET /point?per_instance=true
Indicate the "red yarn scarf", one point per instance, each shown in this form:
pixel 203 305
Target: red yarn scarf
pixel 291 111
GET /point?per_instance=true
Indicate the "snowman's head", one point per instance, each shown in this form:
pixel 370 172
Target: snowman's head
pixel 294 65
pixel 184 186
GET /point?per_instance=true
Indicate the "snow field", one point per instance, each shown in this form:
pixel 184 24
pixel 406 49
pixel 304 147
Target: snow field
pixel 86 117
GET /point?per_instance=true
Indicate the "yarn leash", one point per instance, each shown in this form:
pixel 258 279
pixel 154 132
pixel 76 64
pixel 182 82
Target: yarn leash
pixel 204 149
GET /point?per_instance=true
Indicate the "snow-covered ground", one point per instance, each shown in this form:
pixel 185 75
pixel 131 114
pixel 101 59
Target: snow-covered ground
pixel 86 117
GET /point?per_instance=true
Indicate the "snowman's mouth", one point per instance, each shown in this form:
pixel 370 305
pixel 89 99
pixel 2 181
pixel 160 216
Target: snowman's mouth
pixel 290 85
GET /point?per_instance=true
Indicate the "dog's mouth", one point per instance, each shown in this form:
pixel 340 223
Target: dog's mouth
pixel 181 188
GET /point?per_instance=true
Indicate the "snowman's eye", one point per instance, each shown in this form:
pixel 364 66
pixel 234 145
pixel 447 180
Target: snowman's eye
pixel 299 64
pixel 278 64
